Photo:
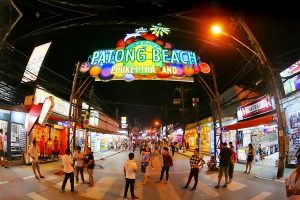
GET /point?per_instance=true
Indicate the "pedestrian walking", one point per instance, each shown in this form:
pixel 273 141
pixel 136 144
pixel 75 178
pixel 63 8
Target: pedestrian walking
pixel 130 170
pixel 232 163
pixel 196 163
pixel 261 153
pixel 68 170
pixel 79 158
pixel 155 161
pixel 250 157
pixel 90 164
pixel 167 163
pixel 34 159
pixel 173 149
pixel 225 156
pixel 292 184
pixel 146 159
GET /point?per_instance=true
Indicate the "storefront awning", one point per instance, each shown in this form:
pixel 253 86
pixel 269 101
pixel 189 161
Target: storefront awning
pixel 252 122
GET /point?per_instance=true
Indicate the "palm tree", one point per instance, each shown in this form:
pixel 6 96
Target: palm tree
pixel 159 30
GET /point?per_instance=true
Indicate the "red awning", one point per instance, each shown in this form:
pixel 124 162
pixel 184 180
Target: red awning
pixel 268 119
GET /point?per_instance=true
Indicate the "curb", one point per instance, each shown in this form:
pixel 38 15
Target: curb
pixel 109 156
pixel 270 179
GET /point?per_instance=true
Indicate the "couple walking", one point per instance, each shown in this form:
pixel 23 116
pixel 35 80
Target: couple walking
pixel 153 161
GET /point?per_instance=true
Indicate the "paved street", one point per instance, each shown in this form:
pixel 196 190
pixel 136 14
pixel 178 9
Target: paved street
pixel 18 183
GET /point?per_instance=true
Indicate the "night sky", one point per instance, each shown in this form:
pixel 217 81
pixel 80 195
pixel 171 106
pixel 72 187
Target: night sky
pixel 76 31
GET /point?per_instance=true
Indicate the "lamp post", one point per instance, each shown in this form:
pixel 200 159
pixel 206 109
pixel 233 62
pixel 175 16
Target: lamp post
pixel 270 77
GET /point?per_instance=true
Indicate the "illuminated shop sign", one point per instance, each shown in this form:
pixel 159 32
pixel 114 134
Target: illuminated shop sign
pixel 46 109
pixel 60 106
pixel 35 62
pixel 143 55
pixel 259 106
pixel 290 78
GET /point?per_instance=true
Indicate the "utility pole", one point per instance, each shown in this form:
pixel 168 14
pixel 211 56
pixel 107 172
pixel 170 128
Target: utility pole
pixel 71 102
pixel 182 92
pixel 76 93
pixel 217 100
pixel 269 75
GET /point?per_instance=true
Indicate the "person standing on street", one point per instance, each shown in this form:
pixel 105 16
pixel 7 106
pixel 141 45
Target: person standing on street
pixel 79 157
pixel 233 160
pixel 196 162
pixel 146 159
pixel 55 147
pixel 3 163
pixel 130 170
pixel 90 164
pixel 250 157
pixel 68 170
pixel 225 156
pixel 34 159
pixel 167 163
pixel 173 149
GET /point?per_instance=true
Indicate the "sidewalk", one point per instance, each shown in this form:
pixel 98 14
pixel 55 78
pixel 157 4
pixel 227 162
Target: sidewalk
pixel 261 169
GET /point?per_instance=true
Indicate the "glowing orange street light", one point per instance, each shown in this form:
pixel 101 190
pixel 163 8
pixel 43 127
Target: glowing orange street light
pixel 216 29
pixel 157 123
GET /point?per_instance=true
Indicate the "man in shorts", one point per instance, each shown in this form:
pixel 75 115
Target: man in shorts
pixel 34 159
pixel 225 156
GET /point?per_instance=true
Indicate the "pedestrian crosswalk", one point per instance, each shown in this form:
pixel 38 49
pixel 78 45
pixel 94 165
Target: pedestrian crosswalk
pixel 112 187
pixel 36 196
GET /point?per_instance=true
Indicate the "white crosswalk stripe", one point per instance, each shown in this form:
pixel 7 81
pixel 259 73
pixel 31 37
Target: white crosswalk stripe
pixel 206 192
pixel 262 196
pixel 68 185
pixel 3 182
pixel 234 185
pixel 36 196
pixel 100 188
pixel 168 189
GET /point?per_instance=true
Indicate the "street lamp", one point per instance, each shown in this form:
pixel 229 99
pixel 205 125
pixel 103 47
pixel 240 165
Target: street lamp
pixel 270 77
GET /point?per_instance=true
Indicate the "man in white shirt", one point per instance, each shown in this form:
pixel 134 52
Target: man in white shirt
pixel 68 169
pixel 34 159
pixel 79 158
pixel 130 170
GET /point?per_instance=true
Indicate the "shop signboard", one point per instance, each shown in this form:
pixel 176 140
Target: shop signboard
pixel 290 78
pixel 35 62
pixel 144 55
pixel 61 107
pixel 259 106
pixel 46 109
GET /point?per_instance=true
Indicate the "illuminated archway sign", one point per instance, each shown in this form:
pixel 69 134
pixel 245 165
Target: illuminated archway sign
pixel 143 56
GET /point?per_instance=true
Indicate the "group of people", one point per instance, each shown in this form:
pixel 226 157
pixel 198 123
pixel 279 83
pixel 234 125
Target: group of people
pixel 48 147
pixel 76 163
pixel 151 160
pixel 70 163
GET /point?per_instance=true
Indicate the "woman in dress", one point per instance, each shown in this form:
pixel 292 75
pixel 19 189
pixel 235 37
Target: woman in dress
pixel 292 184
pixel 155 161
pixel 146 159
pixel 250 157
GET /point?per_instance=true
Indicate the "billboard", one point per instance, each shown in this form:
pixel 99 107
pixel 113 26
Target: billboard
pixel 143 55
pixel 35 62
pixel 290 79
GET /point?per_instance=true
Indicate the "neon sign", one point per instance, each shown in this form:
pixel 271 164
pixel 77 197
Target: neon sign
pixel 143 56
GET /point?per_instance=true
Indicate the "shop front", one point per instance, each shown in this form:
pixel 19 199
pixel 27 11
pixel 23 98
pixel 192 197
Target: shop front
pixel 12 124
pixel 50 133
pixel 256 125
pixel 191 136
pixel 291 106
